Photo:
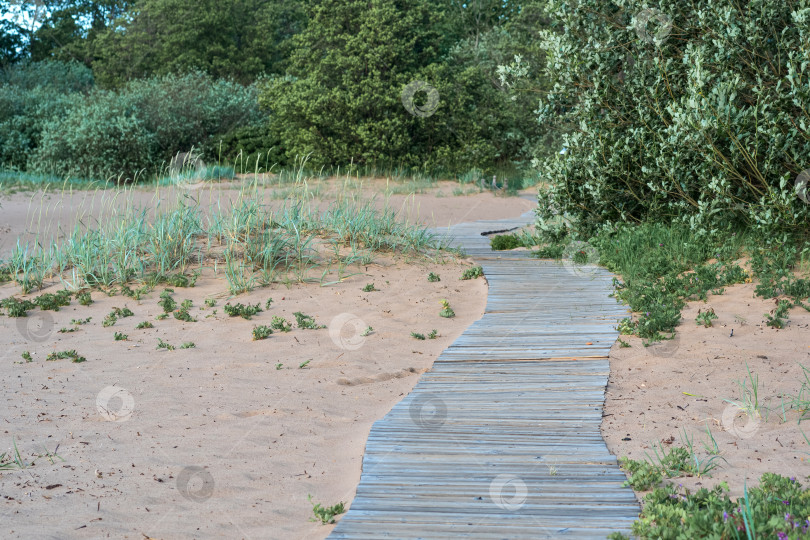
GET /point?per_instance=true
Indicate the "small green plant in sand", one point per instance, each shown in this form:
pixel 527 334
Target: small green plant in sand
pixel 241 310
pixel 280 323
pixel 473 273
pixel 188 345
pixel 268 303
pixel 136 294
pixel 678 461
pixel 71 355
pixel 210 302
pixel 433 277
pixel 304 364
pixel 261 332
pixel 433 334
pixel 417 335
pixel 53 301
pixel 120 336
pixel 12 461
pixel 367 332
pixel 369 288
pixel 326 514
pixel 80 322
pixel 143 325
pixel 163 345
pixel 446 311
pixel 182 313
pixel 68 330
pixel 26 355
pixel 776 318
pixel 307 322
pixel 706 317
pixel 279 366
pixel 166 301
pixel 749 403
pixel 17 308
pixel 182 280
pixel 84 298
pixel 115 314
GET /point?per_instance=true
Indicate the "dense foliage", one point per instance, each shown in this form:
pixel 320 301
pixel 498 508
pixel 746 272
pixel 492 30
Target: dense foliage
pixel 351 69
pixel 330 74
pixel 53 120
pixel 693 111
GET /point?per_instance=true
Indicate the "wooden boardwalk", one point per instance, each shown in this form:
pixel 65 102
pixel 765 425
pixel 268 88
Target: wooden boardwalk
pixel 501 438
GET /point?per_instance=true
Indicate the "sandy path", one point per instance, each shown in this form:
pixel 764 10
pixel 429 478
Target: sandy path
pixel 228 439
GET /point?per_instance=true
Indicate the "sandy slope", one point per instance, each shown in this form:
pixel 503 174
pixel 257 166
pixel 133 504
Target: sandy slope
pixel 227 439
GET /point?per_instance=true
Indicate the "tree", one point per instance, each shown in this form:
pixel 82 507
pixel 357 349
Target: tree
pixel 341 100
pixel 11 42
pixel 69 28
pixel 239 39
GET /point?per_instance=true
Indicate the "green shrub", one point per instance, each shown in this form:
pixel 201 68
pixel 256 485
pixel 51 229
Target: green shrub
pixel 102 136
pixel 57 77
pixel 688 127
pixel 24 113
pixel 248 149
pixel 136 130
pixel 505 241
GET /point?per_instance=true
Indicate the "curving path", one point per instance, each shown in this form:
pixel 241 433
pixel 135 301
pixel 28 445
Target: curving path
pixel 501 438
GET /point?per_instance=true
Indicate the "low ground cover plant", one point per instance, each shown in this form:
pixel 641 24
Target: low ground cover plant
pixel 261 332
pixel 446 311
pixel 778 508
pixel 53 301
pixel 706 317
pixel 71 355
pixel 306 322
pixel 326 514
pixel 280 323
pixel 661 267
pixel 115 314
pixel 242 310
pixel 472 273
pixel 182 313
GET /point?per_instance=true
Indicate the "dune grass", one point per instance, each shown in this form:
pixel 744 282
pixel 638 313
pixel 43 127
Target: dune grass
pixel 243 238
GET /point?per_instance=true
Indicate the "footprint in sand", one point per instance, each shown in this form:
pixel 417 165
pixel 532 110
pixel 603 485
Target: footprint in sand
pixel 343 381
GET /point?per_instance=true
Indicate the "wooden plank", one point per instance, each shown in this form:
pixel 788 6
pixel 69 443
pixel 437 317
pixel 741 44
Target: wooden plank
pixel 500 439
